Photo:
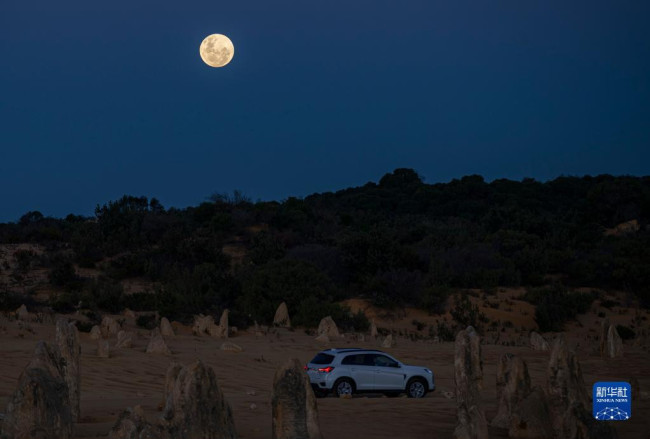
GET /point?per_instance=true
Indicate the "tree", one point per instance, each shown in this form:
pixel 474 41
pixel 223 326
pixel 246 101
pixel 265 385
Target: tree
pixel 30 218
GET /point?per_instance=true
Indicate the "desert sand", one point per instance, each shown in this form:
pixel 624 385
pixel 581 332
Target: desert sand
pixel 132 377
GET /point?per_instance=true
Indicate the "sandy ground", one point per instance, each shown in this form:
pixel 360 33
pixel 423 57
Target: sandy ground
pixel 131 377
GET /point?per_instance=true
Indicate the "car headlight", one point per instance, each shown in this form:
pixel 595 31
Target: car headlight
pixel 428 371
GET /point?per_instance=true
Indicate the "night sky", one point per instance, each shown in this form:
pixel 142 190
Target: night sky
pixel 104 98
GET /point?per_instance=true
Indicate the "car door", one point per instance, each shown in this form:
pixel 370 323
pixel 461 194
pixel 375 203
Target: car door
pixel 389 374
pixel 361 371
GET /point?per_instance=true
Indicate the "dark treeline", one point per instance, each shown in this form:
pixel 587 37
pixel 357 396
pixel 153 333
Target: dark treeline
pixel 397 242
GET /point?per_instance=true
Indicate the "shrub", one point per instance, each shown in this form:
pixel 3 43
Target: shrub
pixel 140 301
pixel 147 321
pixel 93 316
pixel 465 313
pixel 85 326
pixel 394 288
pixel 418 324
pixel 265 247
pixel 625 332
pixel 128 265
pixel 555 305
pixel 308 292
pixel 24 259
pixel 311 310
pixel 358 321
pixel 62 274
pixel 434 299
pixel 444 331
pixel 609 304
pixel 105 294
pixel 239 319
pixel 65 302
pixel 11 301
pixel 203 289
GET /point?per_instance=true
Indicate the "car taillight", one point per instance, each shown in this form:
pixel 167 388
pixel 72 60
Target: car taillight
pixel 327 369
pixel 305 367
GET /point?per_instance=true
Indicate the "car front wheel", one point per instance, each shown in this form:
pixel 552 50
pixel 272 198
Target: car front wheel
pixel 416 388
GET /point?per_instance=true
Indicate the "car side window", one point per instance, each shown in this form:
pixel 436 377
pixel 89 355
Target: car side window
pixel 384 361
pixel 354 360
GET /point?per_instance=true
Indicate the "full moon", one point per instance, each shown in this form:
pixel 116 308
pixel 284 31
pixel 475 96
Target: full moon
pixel 216 50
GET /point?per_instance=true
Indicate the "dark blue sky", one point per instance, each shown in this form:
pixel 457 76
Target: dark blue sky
pixel 101 99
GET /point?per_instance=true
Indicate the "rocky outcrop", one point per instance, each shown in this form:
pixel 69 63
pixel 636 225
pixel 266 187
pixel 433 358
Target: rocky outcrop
pixel 170 379
pixel 157 344
pixel 468 375
pixel 328 327
pixel 259 331
pixel 124 340
pixel 635 387
pixel 513 385
pixel 195 407
pixel 221 330
pixel 109 327
pixel 281 318
pixel 230 347
pixel 166 328
pixel 531 418
pixel 614 343
pixel 522 411
pixel 602 339
pixel 218 331
pixel 67 340
pixel 22 313
pixel 323 338
pixel 537 342
pixel 132 424
pixel 569 402
pixel 40 406
pixel 293 404
pixel 579 423
pixel 103 348
pixel 202 325
pixel 223 321
pixel 388 342
pixel 354 336
pixel 565 383
pixel 95 333
pixel 373 328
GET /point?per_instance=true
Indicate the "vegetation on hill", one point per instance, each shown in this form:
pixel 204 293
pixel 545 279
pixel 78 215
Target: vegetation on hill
pixel 397 242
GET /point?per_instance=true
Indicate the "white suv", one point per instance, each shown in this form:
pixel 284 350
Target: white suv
pixel 348 371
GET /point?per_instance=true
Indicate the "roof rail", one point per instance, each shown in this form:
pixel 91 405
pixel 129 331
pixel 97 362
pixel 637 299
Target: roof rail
pixel 341 350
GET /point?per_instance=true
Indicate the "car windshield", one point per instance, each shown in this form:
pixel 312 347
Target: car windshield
pixel 322 358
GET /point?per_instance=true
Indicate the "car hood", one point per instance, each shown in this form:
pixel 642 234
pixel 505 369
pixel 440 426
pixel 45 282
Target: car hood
pixel 415 369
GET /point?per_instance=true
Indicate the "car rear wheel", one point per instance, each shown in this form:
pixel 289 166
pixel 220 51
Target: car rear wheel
pixel 416 388
pixel 343 386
